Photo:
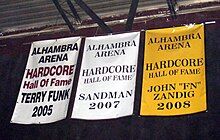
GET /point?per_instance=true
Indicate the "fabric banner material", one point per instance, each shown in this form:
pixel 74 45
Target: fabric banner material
pixel 106 85
pixel 47 82
pixel 174 71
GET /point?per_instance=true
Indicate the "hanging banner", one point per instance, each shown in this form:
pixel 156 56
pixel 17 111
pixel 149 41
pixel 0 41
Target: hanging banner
pixel 47 81
pixel 174 71
pixel 107 79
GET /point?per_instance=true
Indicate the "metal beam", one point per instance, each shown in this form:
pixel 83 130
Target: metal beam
pixel 61 11
pixel 131 15
pixel 171 5
pixel 92 14
pixel 72 8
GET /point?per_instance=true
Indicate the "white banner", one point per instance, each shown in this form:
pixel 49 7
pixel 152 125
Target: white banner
pixel 47 81
pixel 106 85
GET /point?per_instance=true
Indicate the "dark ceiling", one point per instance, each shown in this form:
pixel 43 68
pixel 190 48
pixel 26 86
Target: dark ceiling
pixel 28 14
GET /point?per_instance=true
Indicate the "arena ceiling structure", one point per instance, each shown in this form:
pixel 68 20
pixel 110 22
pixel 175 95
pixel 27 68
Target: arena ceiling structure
pixel 50 15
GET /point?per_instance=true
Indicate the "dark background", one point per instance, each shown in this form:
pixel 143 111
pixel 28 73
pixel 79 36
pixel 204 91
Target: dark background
pixel 200 126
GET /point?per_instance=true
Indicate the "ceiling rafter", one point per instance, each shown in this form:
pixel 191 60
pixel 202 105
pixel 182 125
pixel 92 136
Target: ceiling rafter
pixel 73 10
pixel 93 15
pixel 62 13
pixel 171 5
pixel 131 15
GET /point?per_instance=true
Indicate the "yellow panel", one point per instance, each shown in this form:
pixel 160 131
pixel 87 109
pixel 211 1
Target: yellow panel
pixel 174 71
